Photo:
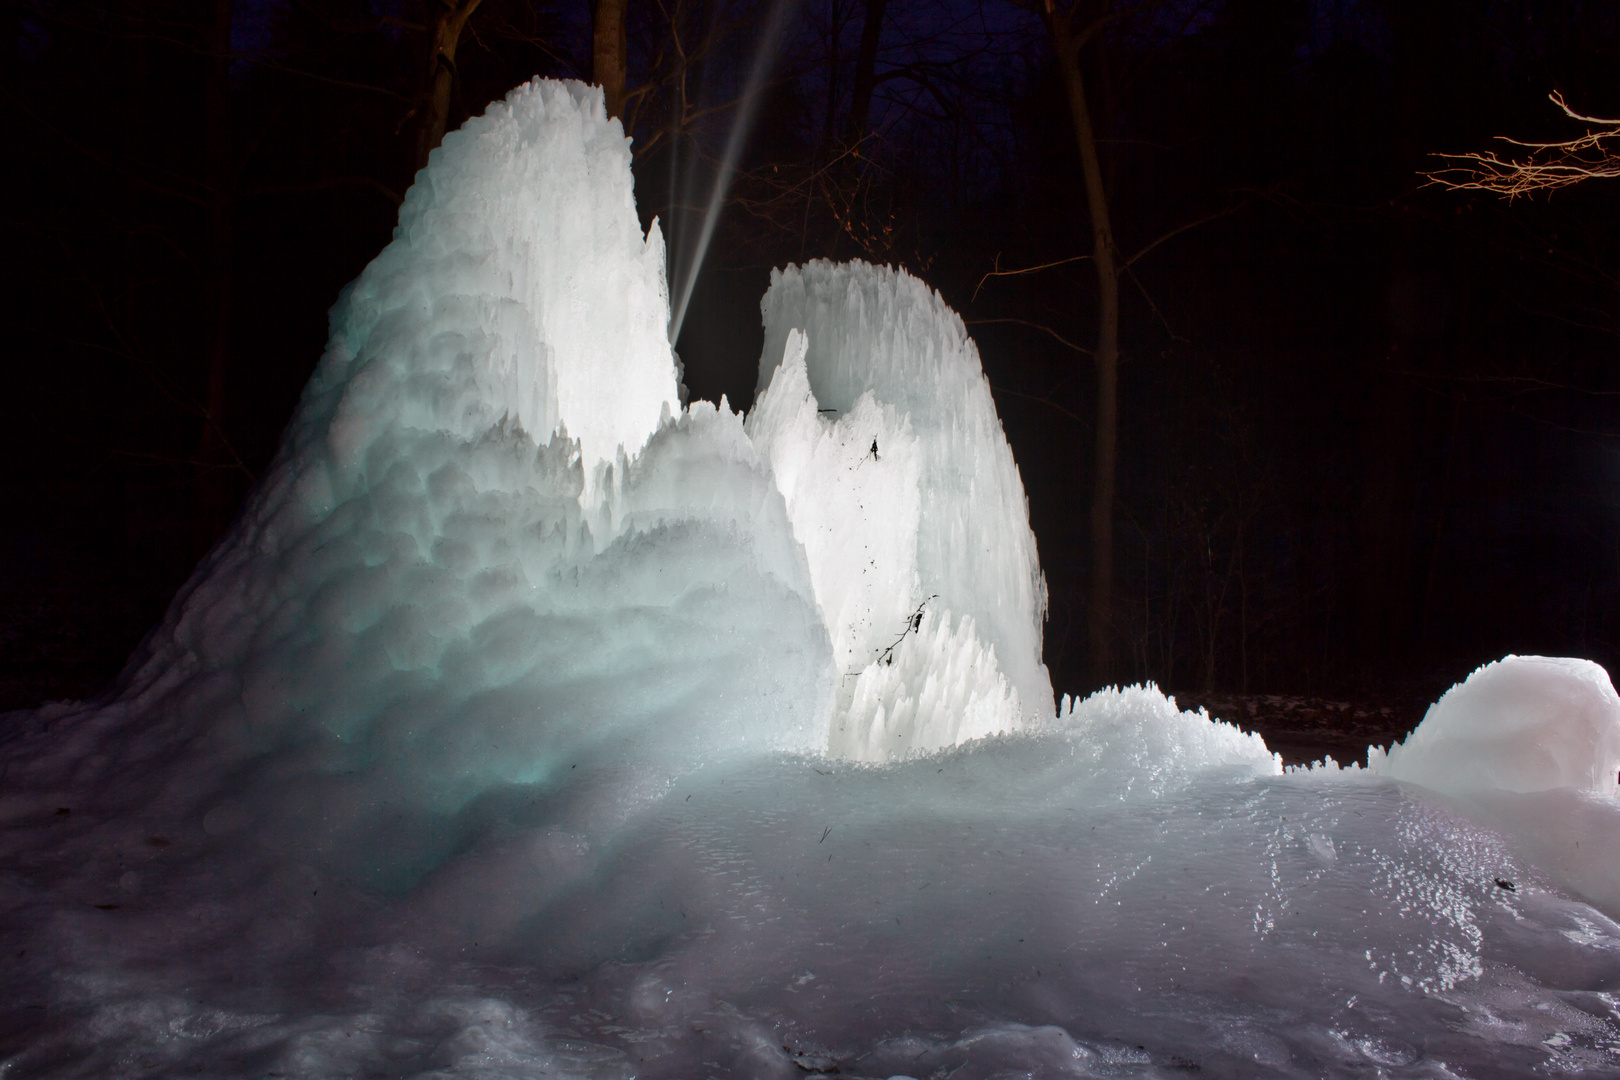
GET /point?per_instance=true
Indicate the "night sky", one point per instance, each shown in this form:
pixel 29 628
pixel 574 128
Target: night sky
pixel 1368 434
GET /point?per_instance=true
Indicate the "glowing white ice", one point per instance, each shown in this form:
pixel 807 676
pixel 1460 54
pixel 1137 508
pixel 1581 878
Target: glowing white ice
pixel 510 732
pixel 881 434
pixel 1524 723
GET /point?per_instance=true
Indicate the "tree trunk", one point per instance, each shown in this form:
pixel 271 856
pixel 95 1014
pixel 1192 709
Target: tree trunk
pixel 1099 610
pixel 829 126
pixel 441 76
pixel 213 496
pixel 860 104
pixel 609 48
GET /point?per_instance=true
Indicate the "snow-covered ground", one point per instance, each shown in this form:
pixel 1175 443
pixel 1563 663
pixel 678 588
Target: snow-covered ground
pixel 529 723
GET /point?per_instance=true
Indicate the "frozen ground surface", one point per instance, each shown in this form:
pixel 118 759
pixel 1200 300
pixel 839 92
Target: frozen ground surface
pixel 1011 907
pixel 529 724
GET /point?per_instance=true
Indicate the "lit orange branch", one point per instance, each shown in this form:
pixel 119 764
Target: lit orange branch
pixel 999 272
pixel 1547 167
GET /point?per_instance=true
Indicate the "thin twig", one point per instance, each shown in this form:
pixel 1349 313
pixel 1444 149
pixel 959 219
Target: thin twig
pixel 1077 418
pixel 1164 322
pixel 999 272
pixel 1037 326
pixel 1231 208
pixel 913 624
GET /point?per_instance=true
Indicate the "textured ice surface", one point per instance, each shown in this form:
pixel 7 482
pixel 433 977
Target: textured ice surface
pixel 883 437
pixel 426 599
pixel 494 740
pixel 1523 723
pixel 1530 744
pixel 1020 905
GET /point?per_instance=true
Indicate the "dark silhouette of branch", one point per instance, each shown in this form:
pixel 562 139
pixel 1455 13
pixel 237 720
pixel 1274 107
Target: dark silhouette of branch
pixel 999 272
pixel 1048 402
pixel 1036 326
pixel 1230 208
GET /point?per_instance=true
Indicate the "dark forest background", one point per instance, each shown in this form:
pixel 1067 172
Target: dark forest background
pixel 1367 427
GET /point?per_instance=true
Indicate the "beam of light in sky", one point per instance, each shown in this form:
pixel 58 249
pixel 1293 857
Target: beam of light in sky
pixel 742 122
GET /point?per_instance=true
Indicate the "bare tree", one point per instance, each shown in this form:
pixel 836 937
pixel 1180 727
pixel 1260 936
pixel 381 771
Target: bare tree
pixel 1074 30
pixel 609 49
pixel 860 106
pixel 441 73
pixel 1547 166
pixel 1070 27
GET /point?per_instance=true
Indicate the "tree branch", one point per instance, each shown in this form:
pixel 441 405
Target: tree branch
pixel 999 272
pixel 1035 326
pixel 1548 167
pixel 1231 208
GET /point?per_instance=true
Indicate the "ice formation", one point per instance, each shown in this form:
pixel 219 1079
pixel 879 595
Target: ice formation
pixel 1532 745
pixel 883 438
pixel 1523 723
pixel 509 733
pixel 487 551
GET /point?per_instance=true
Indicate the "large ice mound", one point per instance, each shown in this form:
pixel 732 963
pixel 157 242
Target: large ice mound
pixel 507 734
pixel 1532 745
pixel 493 545
pixel 488 548
pixel 1523 723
